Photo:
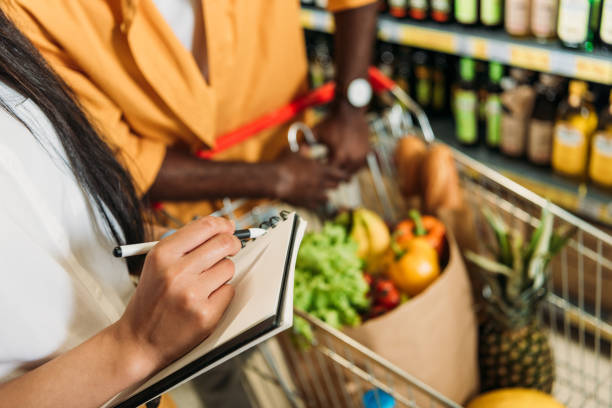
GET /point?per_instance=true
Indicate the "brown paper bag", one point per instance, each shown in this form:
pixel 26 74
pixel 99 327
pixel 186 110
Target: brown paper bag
pixel 434 335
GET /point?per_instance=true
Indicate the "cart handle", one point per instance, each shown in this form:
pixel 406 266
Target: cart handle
pixel 319 96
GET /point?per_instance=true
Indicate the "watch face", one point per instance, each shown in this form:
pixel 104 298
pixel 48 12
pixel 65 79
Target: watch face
pixel 359 93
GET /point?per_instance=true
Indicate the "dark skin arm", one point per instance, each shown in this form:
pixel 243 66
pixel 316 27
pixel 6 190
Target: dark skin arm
pixel 345 131
pixel 292 178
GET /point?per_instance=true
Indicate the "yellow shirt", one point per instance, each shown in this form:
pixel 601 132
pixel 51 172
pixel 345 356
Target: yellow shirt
pixel 145 91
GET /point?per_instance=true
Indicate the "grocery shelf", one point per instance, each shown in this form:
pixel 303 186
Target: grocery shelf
pixel 482 44
pixel 584 199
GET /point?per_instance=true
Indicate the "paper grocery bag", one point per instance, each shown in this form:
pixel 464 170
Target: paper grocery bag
pixel 433 336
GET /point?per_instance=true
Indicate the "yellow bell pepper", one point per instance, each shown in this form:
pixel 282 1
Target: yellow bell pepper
pixel 416 268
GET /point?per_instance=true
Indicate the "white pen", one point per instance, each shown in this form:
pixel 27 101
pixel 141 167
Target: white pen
pixel 124 251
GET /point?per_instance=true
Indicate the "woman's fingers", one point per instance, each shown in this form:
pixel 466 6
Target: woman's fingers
pixel 195 234
pixel 210 253
pixel 215 277
pixel 216 304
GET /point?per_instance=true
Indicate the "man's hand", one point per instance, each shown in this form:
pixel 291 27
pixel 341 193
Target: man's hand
pixel 305 182
pixel 345 132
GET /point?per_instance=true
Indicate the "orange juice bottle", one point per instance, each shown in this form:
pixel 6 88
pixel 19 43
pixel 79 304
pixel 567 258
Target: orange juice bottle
pixel 600 167
pixel 576 122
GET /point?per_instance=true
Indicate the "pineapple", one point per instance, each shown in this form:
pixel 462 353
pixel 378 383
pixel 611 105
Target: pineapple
pixel 514 350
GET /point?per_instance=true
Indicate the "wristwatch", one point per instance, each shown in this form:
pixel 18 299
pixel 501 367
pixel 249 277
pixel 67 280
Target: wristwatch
pixel 359 92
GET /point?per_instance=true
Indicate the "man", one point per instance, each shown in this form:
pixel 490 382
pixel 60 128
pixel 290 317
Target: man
pixel 164 78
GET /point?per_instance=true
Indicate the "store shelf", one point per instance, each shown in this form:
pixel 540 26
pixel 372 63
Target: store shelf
pixel 483 44
pixel 584 199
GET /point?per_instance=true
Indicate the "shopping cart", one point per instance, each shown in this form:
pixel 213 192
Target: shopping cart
pixel 337 371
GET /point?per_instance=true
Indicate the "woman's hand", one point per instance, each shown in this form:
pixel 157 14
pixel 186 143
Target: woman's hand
pixel 181 295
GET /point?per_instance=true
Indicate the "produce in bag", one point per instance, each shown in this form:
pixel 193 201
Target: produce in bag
pixel 429 173
pixel 329 282
pixel 370 233
pixel 514 350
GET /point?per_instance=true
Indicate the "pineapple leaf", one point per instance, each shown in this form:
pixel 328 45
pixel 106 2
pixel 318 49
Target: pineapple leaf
pixel 561 237
pixel 488 264
pixel 537 262
pixel 501 233
pixel 515 282
pixel 533 241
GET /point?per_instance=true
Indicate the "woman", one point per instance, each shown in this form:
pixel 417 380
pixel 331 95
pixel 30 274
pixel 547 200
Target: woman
pixel 67 338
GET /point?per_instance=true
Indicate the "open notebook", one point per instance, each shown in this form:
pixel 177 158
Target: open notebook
pixel 262 307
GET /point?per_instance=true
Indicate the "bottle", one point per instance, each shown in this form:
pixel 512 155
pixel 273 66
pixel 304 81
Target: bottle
pixel 491 13
pixel 576 122
pixel 605 27
pixel 441 10
pixel 322 64
pixel 542 122
pixel 466 104
pixel 403 70
pixel 418 9
pixel 517 100
pixel 482 84
pixel 544 19
pixel 573 24
pixel 422 78
pixel 600 166
pixel 493 106
pixel 386 59
pixel 466 12
pixel 439 99
pixel 517 18
pixel 398 8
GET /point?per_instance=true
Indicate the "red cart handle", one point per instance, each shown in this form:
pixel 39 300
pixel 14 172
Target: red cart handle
pixel 319 96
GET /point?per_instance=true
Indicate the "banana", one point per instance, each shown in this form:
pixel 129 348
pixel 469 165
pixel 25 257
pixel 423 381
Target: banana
pixel 372 237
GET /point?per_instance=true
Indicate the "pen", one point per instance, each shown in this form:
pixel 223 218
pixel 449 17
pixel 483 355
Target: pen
pixel 124 251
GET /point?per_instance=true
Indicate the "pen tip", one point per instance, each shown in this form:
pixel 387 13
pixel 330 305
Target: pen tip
pixel 257 232
pixel 117 252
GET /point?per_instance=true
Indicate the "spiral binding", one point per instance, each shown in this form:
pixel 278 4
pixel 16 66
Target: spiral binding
pixel 274 220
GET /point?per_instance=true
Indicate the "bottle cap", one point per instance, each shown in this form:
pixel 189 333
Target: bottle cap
pixel 496 71
pixel 378 399
pixel 467 67
pixel 577 87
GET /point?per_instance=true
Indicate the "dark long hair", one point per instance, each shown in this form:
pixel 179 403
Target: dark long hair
pixel 89 157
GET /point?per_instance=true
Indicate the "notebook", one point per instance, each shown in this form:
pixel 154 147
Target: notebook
pixel 261 308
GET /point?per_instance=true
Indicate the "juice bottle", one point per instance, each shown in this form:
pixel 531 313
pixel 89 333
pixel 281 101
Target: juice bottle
pixel 386 59
pixel 576 122
pixel 398 8
pixel 418 9
pixel 574 24
pixel 403 71
pixel 439 100
pixel 517 100
pixel 600 166
pixel 544 18
pixel 517 17
pixel 493 106
pixel 605 27
pixel 441 10
pixel 491 13
pixel 542 122
pixel 422 78
pixel 466 12
pixel 466 104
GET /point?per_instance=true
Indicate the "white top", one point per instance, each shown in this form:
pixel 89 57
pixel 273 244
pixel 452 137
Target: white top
pixel 180 16
pixel 59 283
